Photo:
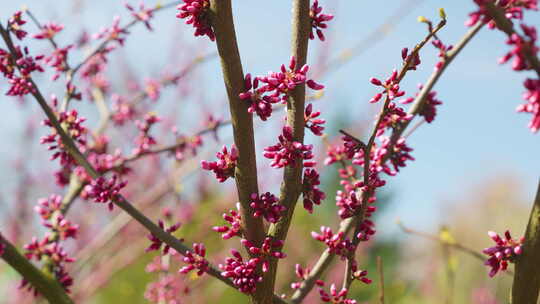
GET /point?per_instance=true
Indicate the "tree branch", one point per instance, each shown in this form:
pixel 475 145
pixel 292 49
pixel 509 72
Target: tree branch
pixel 45 285
pixel 242 120
pixel 526 283
pixel 291 186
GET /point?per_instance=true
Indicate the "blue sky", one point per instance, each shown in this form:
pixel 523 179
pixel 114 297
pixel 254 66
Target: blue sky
pixel 476 135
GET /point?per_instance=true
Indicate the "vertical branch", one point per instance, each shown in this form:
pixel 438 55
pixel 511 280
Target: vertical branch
pixel 291 186
pixel 45 285
pixel 242 120
pixel 526 283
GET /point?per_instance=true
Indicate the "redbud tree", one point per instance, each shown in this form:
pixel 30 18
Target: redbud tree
pixel 93 165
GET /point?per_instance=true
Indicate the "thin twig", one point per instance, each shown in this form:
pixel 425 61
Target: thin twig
pixel 381 279
pixel 453 245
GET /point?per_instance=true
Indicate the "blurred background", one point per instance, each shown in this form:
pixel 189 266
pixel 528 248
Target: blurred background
pixel 475 167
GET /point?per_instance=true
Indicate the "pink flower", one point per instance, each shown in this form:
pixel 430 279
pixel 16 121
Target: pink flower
pixel 532 96
pixel 195 260
pixel 225 166
pixel 335 296
pixel 15 24
pixel 390 85
pixel 504 251
pixel 337 243
pixel 266 205
pixel 49 30
pixel 519 43
pixel 144 140
pixel 288 151
pixel 280 84
pixel 156 242
pixel 73 125
pixel 143 15
pixel 303 274
pixel 196 13
pixel 310 190
pixel 258 103
pixel 318 20
pixel 269 248
pixel 243 274
pixel 168 289
pixel 312 122
pixel 105 191
pixel 58 60
pixel 152 89
pixel 360 275
pixel 235 221
pixel 114 32
pixel 122 111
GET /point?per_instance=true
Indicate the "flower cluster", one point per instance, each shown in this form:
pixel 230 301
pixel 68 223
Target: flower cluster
pixel 335 296
pixel 312 122
pixel 520 45
pixel 143 14
pixel 243 274
pixel 504 251
pixel 412 60
pixel 113 33
pixel 122 110
pixel 310 190
pixel 144 140
pixel 390 87
pixel 168 289
pixel 367 228
pixel 267 206
pixel 15 24
pixel 189 144
pixel 156 242
pixel 318 20
pixel 73 126
pixel 288 151
pixel 53 252
pixel 337 243
pixel 196 13
pixel 152 89
pixel 303 274
pixel 360 275
pixel 276 87
pixel 58 60
pixel 50 212
pixel 348 203
pixel 343 152
pixel 25 64
pixel 104 190
pixel 225 166
pixel 429 108
pixel 49 30
pixel 235 221
pixel 532 96
pixel 269 248
pixel 195 260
